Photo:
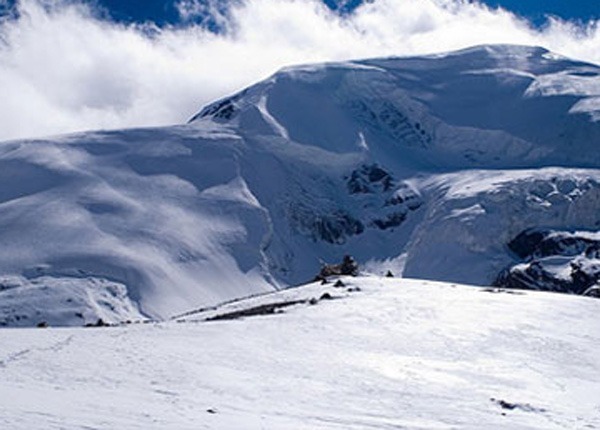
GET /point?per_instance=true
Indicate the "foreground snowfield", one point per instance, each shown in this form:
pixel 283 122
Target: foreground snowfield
pixel 396 354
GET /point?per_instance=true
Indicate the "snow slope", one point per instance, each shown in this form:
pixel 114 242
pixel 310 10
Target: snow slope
pixel 427 165
pixel 396 354
pixel 123 206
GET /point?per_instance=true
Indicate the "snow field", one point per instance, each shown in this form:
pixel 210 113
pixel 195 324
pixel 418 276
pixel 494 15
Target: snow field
pixel 397 354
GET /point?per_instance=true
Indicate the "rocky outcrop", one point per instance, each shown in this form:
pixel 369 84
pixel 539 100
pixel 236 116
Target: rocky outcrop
pixel 558 261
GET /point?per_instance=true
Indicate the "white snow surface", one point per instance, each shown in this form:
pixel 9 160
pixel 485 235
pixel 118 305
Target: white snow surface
pixel 60 301
pixel 248 198
pixel 398 354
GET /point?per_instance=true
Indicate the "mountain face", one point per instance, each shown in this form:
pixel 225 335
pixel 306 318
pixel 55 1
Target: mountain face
pixel 430 166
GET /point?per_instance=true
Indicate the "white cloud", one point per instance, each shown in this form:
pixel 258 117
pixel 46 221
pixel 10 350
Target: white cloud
pixel 62 69
pixel 205 12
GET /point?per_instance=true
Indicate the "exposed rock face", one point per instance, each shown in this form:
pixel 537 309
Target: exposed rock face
pixel 554 261
pixel 348 267
pixel 375 200
pixel 369 179
pixel 334 227
pixel 388 200
pixel 223 110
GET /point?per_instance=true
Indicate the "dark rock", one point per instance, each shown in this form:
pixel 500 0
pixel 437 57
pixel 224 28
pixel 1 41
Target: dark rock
pixel 222 109
pixel 368 178
pixel 42 324
pixel 392 120
pixel 334 227
pixel 593 292
pixel 99 323
pixel 541 251
pixel 545 243
pixel 498 290
pixel 509 406
pixel 565 245
pixel 392 220
pixel 325 296
pixel 339 284
pixel 266 309
pixel 593 251
pixel 376 173
pixel 405 196
pixel 389 274
pixel 348 267
pixel 357 185
pixel 526 243
pixel 506 405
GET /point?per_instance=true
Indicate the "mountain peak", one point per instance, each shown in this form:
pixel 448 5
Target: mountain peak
pixel 495 89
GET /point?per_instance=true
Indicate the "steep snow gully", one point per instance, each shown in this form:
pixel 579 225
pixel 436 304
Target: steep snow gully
pixel 432 166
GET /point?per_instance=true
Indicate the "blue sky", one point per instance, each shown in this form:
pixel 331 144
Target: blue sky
pixel 165 11
pixel 567 9
pixel 161 11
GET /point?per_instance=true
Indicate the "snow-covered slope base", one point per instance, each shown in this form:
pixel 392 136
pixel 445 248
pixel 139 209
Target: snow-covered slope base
pixel 430 165
pixel 59 301
pixel 396 354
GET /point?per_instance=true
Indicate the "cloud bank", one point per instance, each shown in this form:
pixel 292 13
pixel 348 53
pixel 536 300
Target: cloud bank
pixel 64 69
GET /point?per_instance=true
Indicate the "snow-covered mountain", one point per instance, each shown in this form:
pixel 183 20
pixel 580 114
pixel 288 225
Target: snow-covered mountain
pixel 429 166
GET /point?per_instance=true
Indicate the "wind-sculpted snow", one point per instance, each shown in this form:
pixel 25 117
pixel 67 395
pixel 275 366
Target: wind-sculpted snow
pixel 139 207
pixel 438 162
